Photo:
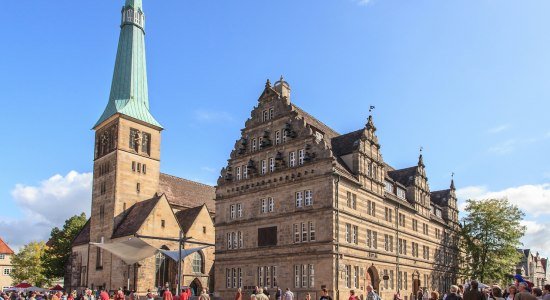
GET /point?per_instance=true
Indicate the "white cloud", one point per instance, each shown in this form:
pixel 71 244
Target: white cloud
pixel 46 205
pixel 498 129
pixel 212 116
pixel 209 169
pixel 531 198
pixel 536 236
pixel 503 148
pixel 364 2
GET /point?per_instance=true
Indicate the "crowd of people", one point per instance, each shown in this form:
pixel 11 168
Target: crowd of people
pixel 520 290
pixel 120 294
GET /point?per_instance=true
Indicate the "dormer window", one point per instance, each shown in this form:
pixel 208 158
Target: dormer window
pixel 265 115
pixel 389 187
pixel 401 193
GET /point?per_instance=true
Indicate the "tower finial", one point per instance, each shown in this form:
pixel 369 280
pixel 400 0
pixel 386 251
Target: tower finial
pixel 371 108
pixel 268 83
pixel 453 181
pixel 421 158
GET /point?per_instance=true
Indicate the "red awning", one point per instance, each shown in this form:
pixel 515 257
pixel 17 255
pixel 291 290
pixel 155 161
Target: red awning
pixel 23 285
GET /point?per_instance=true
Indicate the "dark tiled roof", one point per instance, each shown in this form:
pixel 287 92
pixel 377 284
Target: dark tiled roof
pixel 329 132
pixel 403 176
pixel 84 236
pixel 346 143
pixel 186 193
pixel 187 217
pixel 4 248
pixel 134 218
pixel 440 198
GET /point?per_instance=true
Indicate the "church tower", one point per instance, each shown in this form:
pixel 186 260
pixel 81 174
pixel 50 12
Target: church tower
pixel 127 144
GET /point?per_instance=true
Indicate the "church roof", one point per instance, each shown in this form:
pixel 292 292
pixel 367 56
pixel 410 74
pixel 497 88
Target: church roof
pixel 4 248
pixel 187 193
pixel 134 218
pixel 129 90
pixel 84 236
pixel 187 217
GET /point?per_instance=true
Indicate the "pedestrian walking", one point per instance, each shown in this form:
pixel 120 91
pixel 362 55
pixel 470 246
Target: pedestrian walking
pixel 453 293
pixel 537 292
pixel 496 293
pixel 288 295
pixel 473 293
pixel 324 295
pixel 204 295
pixel 523 292
pixel 371 293
pixel 261 295
pixel 279 293
pixel 434 295
pixel 239 294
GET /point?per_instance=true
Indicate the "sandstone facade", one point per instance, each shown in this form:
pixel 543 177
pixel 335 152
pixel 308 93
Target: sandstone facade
pixel 300 206
pixel 6 266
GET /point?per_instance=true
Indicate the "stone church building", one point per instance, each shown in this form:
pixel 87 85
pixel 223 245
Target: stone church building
pixel 303 207
pixel 130 195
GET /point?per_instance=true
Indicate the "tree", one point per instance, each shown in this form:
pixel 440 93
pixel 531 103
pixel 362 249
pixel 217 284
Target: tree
pixel 60 246
pixel 28 265
pixel 490 236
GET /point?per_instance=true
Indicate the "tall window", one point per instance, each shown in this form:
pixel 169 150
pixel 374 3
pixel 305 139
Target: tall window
pixel 270 204
pixel 356 276
pixel 277 137
pixel 146 143
pixel 264 166
pixel 239 210
pixel 348 276
pixel 254 145
pixel 239 173
pixel 271 113
pixel 197 263
pixel 348 233
pixel 304 232
pixel 297 277
pixel 265 115
pixel 311 231
pixel 352 200
pixel 271 164
pixel 299 199
pixel 263 209
pixel 245 172
pixel 308 198
pixel 296 233
pixel 99 255
pixel 301 156
pixel 371 208
pixel 232 212
pixel 292 159
pixel 134 139
pixel 354 232
pixel 415 225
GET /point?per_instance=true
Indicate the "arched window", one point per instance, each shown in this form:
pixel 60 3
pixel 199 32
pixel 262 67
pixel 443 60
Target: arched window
pixel 198 263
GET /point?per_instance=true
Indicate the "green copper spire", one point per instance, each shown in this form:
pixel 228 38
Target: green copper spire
pixel 129 93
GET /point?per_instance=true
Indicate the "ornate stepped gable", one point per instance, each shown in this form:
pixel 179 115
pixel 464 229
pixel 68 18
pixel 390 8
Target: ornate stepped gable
pixel 354 155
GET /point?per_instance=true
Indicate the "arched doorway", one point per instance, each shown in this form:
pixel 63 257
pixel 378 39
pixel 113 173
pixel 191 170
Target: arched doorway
pixel 373 278
pixel 196 287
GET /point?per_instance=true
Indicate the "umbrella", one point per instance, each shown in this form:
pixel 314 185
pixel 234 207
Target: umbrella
pixel 57 288
pixel 23 285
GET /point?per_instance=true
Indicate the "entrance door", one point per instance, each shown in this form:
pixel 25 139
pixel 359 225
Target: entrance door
pixel 373 279
pixel 196 287
pixel 416 287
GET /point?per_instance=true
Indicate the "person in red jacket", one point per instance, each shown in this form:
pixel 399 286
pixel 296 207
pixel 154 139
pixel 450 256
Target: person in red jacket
pixel 167 295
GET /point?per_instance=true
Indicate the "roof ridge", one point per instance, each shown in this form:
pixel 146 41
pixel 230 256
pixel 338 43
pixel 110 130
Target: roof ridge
pixel 314 118
pixel 187 180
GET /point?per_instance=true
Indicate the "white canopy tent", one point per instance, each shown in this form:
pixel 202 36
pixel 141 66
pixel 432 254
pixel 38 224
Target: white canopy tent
pixel 184 252
pixel 135 249
pixel 130 251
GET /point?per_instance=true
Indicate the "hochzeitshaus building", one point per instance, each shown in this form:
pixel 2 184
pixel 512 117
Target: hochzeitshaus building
pixel 302 206
pixel 130 196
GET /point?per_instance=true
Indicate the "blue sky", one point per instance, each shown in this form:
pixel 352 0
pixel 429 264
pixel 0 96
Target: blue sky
pixel 467 80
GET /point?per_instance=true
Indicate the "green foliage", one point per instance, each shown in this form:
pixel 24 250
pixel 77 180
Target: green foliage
pixel 490 237
pixel 57 254
pixel 28 265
